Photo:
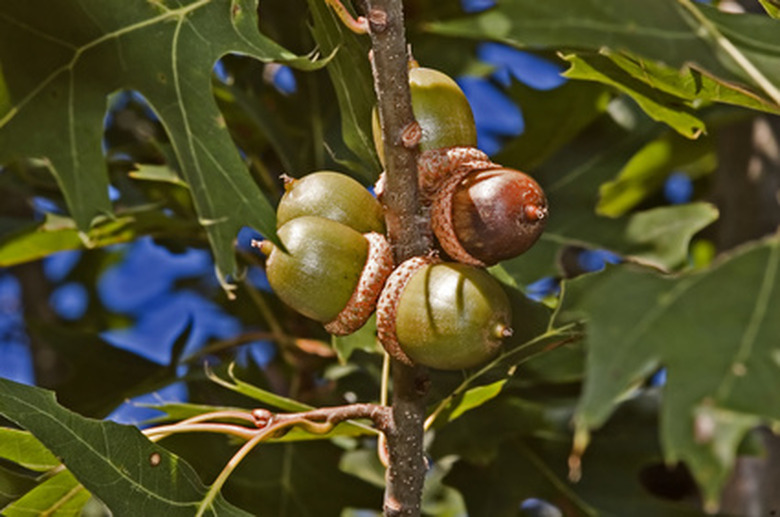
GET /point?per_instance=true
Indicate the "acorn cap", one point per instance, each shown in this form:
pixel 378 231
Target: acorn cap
pixel 361 304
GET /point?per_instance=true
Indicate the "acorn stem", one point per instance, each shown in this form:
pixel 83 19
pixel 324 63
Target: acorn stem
pixel 265 246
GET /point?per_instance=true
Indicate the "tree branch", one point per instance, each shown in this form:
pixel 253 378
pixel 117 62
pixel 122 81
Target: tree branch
pixel 409 234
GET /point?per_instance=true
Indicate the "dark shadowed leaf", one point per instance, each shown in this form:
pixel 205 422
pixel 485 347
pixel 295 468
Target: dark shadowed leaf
pixel 716 334
pixel 526 458
pixel 281 479
pixel 552 118
pixel 60 495
pixel 350 73
pixel 114 374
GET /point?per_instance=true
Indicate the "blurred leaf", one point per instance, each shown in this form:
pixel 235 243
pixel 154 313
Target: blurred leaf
pixel 60 495
pixel 23 448
pixel 663 30
pixel 772 7
pixel 350 72
pixel 552 118
pixel 60 233
pixel 114 374
pixel 76 55
pixel 364 339
pixel 660 105
pixel 646 171
pixel 715 333
pixel 661 236
pixel 526 457
pixel 151 172
pixel 110 460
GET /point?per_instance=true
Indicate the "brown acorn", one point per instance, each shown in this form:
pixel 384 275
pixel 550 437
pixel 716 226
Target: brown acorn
pixel 481 213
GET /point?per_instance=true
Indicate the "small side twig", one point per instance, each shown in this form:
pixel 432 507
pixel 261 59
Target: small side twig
pixel 262 424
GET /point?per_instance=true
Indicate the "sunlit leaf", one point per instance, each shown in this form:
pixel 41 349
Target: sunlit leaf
pixel 665 31
pixel 60 495
pixel 23 448
pixel 660 105
pixel 60 233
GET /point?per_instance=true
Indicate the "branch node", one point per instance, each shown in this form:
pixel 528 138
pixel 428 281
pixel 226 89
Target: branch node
pixel 377 20
pixel 261 417
pixel 411 135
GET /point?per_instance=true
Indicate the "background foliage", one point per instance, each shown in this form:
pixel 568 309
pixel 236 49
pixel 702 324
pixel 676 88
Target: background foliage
pixel 141 145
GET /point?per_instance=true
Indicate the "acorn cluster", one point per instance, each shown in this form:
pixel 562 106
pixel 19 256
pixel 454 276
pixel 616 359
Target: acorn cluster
pixel 336 266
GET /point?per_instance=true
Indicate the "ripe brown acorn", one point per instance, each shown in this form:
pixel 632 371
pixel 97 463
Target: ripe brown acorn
pixel 448 316
pixel 329 272
pixel 481 213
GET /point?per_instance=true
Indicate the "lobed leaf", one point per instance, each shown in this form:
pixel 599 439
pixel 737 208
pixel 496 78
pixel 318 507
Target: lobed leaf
pixel 78 53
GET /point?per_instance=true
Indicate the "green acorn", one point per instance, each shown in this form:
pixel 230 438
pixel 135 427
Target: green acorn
pixel 440 107
pixel 330 272
pixel 331 195
pixel 448 316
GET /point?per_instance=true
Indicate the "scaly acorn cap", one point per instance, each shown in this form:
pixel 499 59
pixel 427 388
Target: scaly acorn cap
pixel 378 267
pixel 387 306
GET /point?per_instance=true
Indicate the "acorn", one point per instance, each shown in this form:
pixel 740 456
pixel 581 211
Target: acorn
pixel 440 107
pixel 330 272
pixel 331 195
pixel 443 315
pixel 481 213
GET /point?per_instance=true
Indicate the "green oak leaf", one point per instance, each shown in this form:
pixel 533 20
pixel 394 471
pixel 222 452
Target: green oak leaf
pixel 61 61
pixel 131 475
pixel 716 333
pixel 675 33
pixel 350 73
pixel 60 495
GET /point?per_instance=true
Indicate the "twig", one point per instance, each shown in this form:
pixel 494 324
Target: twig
pixel 409 234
